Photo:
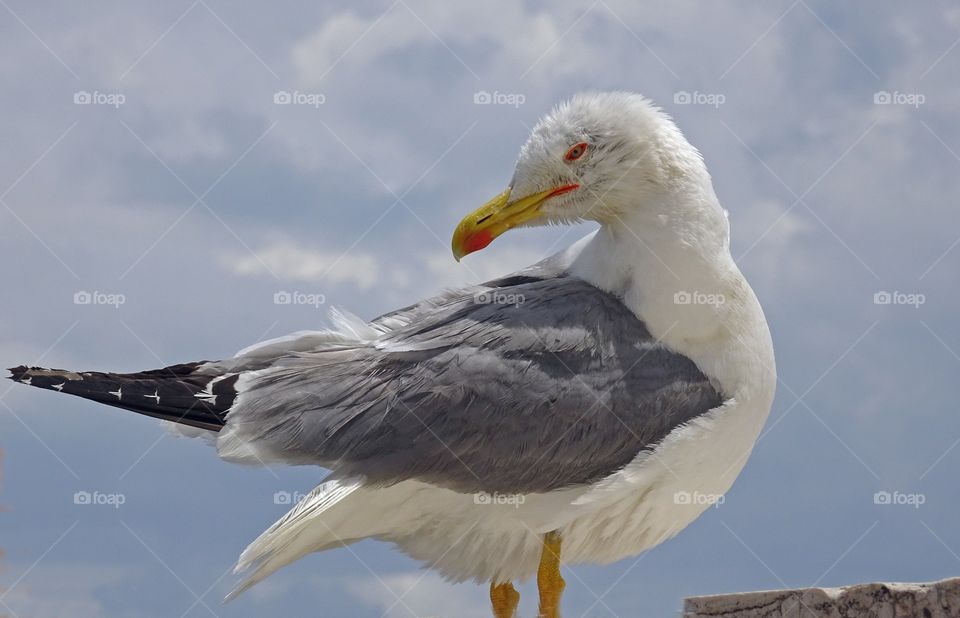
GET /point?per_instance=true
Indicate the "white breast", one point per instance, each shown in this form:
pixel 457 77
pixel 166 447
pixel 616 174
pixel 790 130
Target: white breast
pixel 660 493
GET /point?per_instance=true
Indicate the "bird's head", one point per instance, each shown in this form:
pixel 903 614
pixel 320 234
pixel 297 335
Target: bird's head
pixel 598 157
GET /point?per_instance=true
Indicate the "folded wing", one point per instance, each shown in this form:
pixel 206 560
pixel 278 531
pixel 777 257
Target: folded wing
pixel 525 384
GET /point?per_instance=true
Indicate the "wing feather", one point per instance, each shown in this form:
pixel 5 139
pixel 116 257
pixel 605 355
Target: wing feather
pixel 524 384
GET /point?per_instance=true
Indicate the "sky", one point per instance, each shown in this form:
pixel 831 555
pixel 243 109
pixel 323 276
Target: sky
pixel 169 170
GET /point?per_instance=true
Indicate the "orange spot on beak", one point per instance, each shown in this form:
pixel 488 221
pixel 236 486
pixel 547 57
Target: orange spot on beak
pixel 478 241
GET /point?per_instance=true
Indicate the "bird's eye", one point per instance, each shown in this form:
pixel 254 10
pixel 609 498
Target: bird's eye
pixel 576 151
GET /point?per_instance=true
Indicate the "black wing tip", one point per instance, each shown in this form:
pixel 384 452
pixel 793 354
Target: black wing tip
pixel 173 393
pixel 17 373
pixel 40 377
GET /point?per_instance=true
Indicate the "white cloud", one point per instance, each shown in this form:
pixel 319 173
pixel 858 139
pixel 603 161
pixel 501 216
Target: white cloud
pixel 422 593
pixel 765 242
pixel 518 37
pixel 290 261
pixel 55 590
pixel 447 273
pixel 407 277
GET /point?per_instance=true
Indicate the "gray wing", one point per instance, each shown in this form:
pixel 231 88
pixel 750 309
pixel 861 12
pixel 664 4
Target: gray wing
pixel 525 384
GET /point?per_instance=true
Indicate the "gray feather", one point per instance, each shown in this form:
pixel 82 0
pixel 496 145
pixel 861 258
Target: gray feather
pixel 560 388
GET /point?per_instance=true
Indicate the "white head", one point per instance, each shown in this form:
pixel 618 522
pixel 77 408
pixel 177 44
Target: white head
pixel 613 158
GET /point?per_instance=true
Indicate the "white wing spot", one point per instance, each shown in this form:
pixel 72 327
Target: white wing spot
pixel 207 394
pixel 118 393
pixel 58 387
pixel 155 396
pixel 27 380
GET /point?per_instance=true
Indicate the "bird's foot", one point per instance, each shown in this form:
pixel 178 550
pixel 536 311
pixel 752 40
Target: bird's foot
pixel 504 598
pixel 549 581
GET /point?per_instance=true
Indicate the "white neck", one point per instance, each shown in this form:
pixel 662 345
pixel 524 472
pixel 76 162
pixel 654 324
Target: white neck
pixel 656 268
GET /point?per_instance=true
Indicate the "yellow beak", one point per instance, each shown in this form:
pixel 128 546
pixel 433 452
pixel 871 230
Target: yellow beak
pixel 479 228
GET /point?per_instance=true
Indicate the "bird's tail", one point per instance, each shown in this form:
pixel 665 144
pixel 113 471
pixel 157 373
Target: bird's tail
pixel 314 524
pixel 190 393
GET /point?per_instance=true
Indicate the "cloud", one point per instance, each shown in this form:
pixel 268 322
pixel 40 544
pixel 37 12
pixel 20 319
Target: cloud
pixel 768 238
pixel 289 261
pixel 496 262
pixel 64 589
pixel 413 275
pixel 422 593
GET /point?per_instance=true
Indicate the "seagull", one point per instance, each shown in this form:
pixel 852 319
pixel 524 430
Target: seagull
pixel 580 410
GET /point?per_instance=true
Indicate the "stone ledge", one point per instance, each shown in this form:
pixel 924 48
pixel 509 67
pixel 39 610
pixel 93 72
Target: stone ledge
pixel 929 600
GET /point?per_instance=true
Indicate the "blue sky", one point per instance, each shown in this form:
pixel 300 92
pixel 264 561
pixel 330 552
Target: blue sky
pixel 185 191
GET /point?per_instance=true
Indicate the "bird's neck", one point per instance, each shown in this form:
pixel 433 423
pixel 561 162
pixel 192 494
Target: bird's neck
pixel 655 263
pixel 682 282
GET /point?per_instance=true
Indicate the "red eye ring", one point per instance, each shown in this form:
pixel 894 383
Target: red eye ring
pixel 576 151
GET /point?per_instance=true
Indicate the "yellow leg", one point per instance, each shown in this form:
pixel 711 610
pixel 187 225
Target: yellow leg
pixel 504 598
pixel 549 582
